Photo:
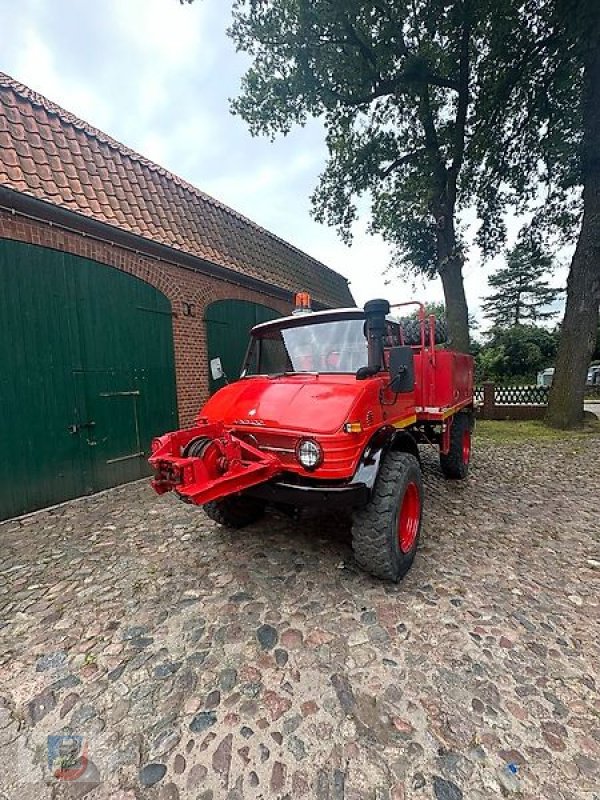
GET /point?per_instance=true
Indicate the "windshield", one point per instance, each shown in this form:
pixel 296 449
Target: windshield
pixel 338 346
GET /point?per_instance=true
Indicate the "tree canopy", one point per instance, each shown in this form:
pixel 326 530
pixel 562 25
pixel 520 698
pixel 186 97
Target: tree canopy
pixel 431 106
pixel 395 84
pixel 523 293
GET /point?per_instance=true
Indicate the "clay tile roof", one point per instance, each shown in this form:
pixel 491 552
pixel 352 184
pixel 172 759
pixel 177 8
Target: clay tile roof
pixel 48 153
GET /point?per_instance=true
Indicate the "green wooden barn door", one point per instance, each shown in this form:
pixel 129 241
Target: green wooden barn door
pixel 228 324
pixel 87 376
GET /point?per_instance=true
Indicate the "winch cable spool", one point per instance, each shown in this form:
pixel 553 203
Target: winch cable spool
pixel 210 455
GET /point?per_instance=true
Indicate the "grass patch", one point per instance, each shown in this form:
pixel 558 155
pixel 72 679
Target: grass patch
pixel 510 431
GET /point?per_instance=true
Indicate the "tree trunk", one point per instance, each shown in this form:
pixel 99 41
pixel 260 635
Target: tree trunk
pixel 450 270
pixel 457 314
pixel 578 332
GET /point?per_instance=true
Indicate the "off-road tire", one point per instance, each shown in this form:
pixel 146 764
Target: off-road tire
pixel 375 538
pixel 411 329
pixel 236 511
pixel 453 463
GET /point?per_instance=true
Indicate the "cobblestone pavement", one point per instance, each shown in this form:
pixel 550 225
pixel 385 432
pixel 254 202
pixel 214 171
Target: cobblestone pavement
pixel 204 664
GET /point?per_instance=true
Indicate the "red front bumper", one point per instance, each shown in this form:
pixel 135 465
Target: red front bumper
pixel 229 465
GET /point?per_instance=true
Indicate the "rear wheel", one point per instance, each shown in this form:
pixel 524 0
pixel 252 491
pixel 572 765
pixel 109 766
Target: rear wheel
pixel 455 463
pixel 385 534
pixel 236 511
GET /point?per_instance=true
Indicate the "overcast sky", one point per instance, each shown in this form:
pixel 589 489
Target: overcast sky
pixel 157 76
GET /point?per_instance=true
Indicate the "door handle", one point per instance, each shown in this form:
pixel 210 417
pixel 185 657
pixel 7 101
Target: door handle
pixel 76 427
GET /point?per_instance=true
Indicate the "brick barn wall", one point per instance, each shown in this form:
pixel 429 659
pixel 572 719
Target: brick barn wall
pixel 187 290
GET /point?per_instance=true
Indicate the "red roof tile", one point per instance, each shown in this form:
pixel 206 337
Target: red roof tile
pixel 48 153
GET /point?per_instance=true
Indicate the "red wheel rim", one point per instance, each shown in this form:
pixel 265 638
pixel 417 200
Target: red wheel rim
pixel 466 447
pixel 409 517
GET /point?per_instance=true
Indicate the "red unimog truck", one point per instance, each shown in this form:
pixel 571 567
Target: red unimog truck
pixel 329 411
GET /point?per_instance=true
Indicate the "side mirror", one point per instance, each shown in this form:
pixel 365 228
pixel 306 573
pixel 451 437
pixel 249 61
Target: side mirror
pixel 402 370
pixel 216 369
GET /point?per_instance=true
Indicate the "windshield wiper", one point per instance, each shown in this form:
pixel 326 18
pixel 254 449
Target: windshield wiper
pixel 294 372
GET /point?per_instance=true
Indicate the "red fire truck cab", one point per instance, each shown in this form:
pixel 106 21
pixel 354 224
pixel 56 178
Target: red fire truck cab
pixel 329 410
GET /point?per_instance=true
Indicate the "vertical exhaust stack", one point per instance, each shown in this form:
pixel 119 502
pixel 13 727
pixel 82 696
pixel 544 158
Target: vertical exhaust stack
pixel 376 312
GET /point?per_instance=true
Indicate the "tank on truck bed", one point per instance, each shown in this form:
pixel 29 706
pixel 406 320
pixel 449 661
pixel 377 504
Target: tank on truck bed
pixel 330 409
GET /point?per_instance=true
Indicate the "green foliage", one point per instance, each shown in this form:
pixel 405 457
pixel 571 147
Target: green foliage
pixel 386 79
pixel 522 293
pixel 516 355
pixel 529 126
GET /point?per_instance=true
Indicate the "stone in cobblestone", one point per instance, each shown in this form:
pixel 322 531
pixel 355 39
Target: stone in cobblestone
pixel 291 724
pixel 344 692
pixel 253 779
pixel 241 597
pixel 179 764
pixel 276 704
pixel 512 757
pixel 213 699
pixel 68 704
pixel 246 732
pixel 368 617
pixel 167 669
pixel 168 792
pixel 151 774
pixel 587 765
pixel 278 776
pixel 308 708
pixel 203 721
pixel 51 661
pixel 281 657
pixel 196 776
pixel 40 705
pixel 446 790
pixel 227 679
pixel 267 636
pixel 264 753
pixel 292 639
pixel 166 741
pixel 116 673
pixel 251 689
pixel 134 631
pixel 277 737
pixel 554 735
pixel 68 682
pixel 296 747
pixel 141 642
pixel 198 658
pixel 221 759
pixel 83 715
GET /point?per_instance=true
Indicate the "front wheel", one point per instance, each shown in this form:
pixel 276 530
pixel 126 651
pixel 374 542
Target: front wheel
pixel 236 511
pixel 455 463
pixel 385 534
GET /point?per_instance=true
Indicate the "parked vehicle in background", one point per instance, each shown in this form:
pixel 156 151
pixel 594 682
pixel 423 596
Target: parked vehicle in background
pixel 593 376
pixel 544 378
pixel 329 411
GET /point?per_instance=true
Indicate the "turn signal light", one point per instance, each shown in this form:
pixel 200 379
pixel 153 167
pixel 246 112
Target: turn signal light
pixel 353 427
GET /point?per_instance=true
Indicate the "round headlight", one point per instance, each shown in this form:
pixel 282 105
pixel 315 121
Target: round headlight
pixel 309 453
